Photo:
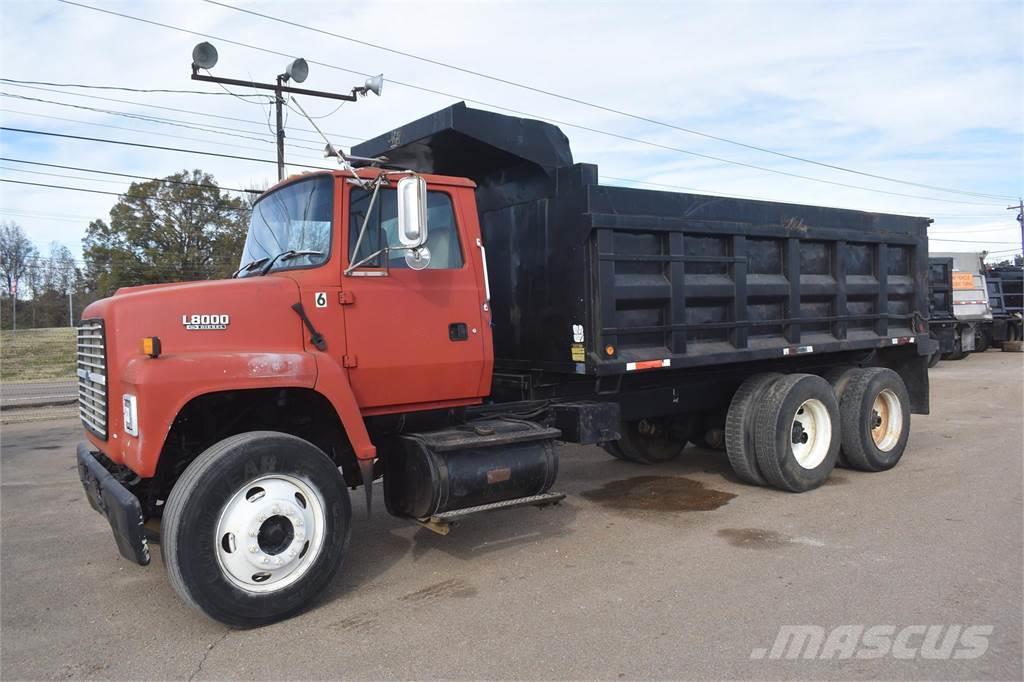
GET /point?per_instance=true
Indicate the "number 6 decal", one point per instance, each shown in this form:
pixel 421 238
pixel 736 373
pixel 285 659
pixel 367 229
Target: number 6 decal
pixel 320 299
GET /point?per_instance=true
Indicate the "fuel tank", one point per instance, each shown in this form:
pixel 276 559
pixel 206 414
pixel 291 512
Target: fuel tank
pixel 482 462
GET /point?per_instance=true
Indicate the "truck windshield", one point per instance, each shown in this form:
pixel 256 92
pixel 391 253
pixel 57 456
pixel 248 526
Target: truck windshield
pixel 296 217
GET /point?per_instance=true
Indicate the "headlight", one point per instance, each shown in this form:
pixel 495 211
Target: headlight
pixel 131 415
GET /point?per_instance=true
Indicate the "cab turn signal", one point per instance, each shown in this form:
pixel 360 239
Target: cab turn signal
pixel 151 346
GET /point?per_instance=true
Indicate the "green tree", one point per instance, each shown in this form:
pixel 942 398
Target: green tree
pixel 177 229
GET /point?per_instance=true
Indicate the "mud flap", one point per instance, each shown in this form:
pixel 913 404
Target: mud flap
pixel 120 507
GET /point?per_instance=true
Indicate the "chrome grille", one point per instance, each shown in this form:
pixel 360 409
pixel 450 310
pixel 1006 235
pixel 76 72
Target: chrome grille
pixel 92 377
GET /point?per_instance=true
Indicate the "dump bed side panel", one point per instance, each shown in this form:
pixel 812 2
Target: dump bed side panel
pixel 940 288
pixel 682 280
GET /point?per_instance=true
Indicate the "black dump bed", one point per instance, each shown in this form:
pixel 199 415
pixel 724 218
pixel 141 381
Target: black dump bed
pixel 940 288
pixel 588 278
pixel 1007 283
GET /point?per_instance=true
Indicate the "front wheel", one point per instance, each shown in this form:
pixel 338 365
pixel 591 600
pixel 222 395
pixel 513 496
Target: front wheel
pixel 256 528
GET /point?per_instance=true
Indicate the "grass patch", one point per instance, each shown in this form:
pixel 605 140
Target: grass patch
pixel 37 354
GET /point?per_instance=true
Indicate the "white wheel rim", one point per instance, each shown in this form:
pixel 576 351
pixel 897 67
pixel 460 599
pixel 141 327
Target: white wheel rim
pixel 811 433
pixel 886 420
pixel 270 533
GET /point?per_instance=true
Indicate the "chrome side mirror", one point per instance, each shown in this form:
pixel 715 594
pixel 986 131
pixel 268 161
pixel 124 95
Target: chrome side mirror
pixel 412 211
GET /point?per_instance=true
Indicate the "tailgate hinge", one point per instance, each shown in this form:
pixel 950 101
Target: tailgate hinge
pixel 349 361
pixel 346 297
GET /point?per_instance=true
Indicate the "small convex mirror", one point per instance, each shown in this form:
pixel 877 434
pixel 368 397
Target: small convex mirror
pixel 412 211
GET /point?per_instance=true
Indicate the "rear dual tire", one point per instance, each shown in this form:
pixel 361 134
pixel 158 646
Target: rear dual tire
pixel 796 435
pixel 790 431
pixel 874 410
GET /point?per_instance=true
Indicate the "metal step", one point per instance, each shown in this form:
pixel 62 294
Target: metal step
pixel 440 523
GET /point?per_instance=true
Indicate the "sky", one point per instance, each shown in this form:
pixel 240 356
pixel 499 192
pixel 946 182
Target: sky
pixel 925 92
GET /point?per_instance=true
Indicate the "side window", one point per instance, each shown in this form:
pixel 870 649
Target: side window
pixel 382 230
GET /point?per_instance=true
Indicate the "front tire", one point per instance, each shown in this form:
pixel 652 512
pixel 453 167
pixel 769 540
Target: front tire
pixel 256 528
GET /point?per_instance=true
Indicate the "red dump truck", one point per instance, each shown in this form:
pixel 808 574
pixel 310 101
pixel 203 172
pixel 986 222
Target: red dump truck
pixel 441 319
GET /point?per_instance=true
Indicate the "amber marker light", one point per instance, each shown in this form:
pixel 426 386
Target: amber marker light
pixel 151 346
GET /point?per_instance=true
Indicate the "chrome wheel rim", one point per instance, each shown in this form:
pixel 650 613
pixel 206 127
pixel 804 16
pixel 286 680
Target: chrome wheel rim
pixel 270 533
pixel 811 433
pixel 886 420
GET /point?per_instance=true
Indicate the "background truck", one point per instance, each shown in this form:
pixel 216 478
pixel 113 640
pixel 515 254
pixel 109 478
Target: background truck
pixel 441 321
pixel 942 324
pixel 970 305
pixel 1006 298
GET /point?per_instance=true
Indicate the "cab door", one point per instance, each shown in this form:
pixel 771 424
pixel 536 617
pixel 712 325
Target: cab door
pixel 416 339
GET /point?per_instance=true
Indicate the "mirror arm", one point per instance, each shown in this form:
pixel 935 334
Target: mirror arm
pixel 362 230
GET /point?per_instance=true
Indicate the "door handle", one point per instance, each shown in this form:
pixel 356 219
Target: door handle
pixel 458 331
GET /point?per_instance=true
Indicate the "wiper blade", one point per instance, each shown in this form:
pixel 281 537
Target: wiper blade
pixel 248 266
pixel 287 255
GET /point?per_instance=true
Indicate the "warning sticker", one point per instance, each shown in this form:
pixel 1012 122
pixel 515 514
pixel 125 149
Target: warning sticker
pixel 963 280
pixel 578 355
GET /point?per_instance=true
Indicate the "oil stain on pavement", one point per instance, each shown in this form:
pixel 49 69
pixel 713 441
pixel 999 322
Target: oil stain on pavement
pixel 759 538
pixel 658 494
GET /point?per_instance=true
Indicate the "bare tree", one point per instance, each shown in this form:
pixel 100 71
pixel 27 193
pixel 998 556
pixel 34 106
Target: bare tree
pixel 16 255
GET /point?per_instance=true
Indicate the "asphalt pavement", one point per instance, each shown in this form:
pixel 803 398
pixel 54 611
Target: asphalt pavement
pixel 676 571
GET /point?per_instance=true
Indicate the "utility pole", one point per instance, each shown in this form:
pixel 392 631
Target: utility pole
pixel 1020 219
pixel 279 105
pixel 204 56
pixel 71 311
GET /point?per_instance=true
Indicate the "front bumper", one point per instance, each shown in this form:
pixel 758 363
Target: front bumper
pixel 114 501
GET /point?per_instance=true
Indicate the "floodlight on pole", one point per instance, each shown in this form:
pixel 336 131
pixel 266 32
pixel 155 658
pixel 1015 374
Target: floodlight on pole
pixel 204 56
pixel 297 71
pixel 373 84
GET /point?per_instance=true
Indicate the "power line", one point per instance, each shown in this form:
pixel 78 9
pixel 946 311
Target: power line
pixel 605 108
pixel 76 189
pixel 174 109
pixel 125 89
pixel 178 123
pixel 517 111
pixel 148 132
pixel 129 175
pixel 224 130
pixel 115 194
pixel 153 146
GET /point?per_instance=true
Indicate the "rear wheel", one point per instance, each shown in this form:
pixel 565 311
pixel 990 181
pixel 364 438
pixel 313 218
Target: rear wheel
pixel 875 416
pixel 838 378
pixel 739 427
pixel 797 433
pixel 647 441
pixel 256 528
pixel 982 341
pixel 957 353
